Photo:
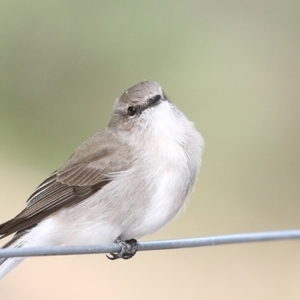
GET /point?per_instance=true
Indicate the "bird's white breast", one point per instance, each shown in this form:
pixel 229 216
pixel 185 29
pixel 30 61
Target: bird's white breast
pixel 172 153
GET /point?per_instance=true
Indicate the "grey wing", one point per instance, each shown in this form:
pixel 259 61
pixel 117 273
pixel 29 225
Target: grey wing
pixel 81 176
pixel 95 160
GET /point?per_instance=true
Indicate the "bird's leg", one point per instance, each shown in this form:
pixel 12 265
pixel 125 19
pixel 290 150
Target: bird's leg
pixel 128 249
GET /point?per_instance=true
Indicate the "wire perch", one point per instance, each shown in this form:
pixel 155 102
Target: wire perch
pixel 155 245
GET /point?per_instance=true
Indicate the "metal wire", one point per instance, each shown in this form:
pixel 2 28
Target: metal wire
pixel 154 245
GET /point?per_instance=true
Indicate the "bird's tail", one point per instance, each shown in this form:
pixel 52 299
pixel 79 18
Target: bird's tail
pixel 8 263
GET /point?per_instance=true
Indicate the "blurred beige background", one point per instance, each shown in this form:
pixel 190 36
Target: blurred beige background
pixel 233 67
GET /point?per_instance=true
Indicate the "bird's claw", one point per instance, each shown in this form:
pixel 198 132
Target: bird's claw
pixel 128 249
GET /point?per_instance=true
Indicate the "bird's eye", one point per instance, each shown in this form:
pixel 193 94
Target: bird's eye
pixel 131 111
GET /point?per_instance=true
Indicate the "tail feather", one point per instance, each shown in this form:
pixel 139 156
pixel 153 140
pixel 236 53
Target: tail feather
pixel 8 263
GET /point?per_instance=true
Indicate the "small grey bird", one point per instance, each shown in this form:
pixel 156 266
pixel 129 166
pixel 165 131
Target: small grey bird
pixel 126 181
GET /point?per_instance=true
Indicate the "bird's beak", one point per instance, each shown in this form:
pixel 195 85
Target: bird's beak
pixel 155 100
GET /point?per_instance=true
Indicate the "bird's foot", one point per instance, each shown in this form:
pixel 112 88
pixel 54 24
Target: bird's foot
pixel 128 249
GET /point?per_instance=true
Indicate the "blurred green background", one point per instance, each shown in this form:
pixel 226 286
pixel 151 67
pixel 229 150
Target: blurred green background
pixel 233 67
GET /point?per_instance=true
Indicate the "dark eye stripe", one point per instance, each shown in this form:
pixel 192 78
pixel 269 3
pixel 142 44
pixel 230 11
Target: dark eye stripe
pixel 134 110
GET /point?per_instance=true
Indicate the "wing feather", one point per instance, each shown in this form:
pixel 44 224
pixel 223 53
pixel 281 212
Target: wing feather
pixel 86 172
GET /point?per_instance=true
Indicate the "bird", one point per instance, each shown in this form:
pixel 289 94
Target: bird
pixel 126 181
